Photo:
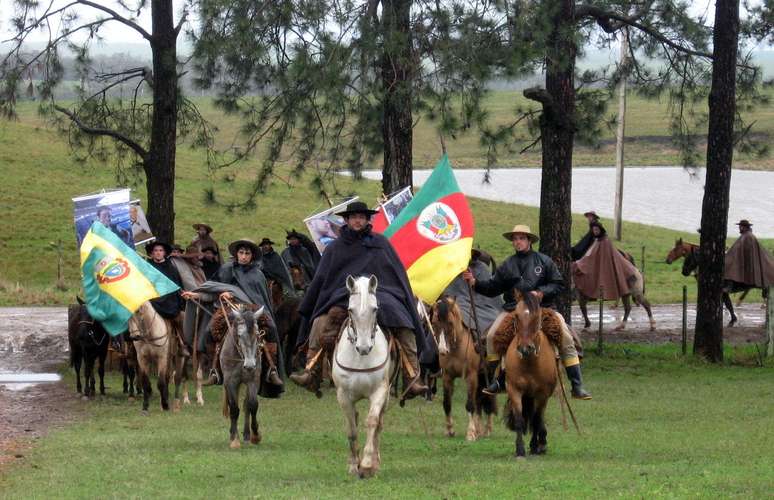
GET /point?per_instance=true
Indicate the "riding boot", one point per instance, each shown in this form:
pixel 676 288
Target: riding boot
pixel 498 383
pixel 491 372
pixel 411 372
pixel 312 374
pixel 574 374
pixel 272 375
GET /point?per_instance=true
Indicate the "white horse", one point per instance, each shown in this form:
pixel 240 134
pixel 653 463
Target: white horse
pixel 363 368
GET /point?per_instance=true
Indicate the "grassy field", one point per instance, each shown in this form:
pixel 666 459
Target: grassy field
pixel 41 177
pixel 659 426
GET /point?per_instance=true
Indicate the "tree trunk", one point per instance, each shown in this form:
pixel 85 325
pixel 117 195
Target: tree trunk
pixel 557 128
pixel 708 341
pixel 160 163
pixel 397 130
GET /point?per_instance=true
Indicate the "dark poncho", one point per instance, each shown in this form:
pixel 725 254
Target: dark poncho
pixel 300 257
pixel 580 248
pixel 361 254
pixel 250 280
pixel 487 308
pixel 168 306
pixel 274 268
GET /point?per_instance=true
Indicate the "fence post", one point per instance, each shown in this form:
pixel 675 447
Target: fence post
pixel 685 320
pixel 770 322
pixel 600 341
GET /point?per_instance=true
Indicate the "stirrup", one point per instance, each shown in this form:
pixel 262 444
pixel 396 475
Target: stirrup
pixel 210 377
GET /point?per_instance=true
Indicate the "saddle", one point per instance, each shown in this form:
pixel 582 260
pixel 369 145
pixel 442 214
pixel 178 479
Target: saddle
pixel 550 326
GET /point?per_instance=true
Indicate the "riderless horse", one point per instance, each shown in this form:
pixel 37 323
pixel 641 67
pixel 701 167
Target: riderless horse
pixel 240 360
pixel 88 343
pixel 363 366
pixel 458 357
pixel 531 372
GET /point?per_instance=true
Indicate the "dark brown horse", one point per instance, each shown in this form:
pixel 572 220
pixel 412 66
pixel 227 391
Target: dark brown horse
pixel 458 358
pixel 531 376
pixel 288 321
pixel 690 253
pixel 89 343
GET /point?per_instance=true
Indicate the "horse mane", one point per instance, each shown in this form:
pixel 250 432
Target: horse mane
pixel 531 301
pixel 549 325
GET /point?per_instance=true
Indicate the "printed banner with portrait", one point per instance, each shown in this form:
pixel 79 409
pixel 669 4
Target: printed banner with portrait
pixel 397 202
pixel 111 208
pixel 140 229
pixel 324 227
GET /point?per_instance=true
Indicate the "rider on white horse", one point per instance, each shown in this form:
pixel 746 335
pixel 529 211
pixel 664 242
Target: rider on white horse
pixel 360 252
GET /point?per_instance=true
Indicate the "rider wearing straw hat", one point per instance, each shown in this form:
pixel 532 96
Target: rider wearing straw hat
pixel 204 239
pixel 527 271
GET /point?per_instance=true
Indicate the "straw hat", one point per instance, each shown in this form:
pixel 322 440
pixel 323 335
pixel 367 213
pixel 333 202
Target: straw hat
pixel 521 228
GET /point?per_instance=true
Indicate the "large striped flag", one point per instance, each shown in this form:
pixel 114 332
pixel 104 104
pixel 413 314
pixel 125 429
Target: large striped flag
pixel 433 234
pixel 116 280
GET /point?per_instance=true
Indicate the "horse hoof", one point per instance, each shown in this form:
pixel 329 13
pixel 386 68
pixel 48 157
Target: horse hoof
pixel 176 406
pixel 450 434
pixel 653 327
pixel 200 402
pixel 235 445
pixel 85 398
pixel 619 328
pixel 521 458
pixel 255 438
pixel 470 437
pixel 732 322
pixel 352 469
pixel 365 472
pixel 145 413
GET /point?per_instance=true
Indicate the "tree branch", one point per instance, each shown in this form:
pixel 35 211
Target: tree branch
pixel 137 148
pixel 604 17
pixel 540 95
pixel 118 17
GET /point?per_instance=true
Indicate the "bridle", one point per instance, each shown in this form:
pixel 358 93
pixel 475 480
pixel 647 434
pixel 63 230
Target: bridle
pixel 91 332
pixel 535 338
pixel 260 335
pixel 154 341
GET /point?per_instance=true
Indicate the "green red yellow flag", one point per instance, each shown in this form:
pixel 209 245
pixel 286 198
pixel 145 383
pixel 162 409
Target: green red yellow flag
pixel 433 234
pixel 116 281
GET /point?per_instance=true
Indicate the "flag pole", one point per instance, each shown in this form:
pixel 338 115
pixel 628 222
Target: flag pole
pixel 479 347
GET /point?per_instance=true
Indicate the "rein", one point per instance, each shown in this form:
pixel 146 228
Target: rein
pixel 91 332
pixel 154 341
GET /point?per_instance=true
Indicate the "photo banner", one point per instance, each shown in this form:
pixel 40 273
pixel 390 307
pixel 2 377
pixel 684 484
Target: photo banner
pixel 110 207
pixel 324 227
pixel 141 231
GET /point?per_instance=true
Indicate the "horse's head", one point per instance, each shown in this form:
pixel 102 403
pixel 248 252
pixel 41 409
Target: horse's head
pixel 362 312
pixel 297 277
pixel 528 322
pixel 678 251
pixel 447 318
pixel 276 291
pixel 245 323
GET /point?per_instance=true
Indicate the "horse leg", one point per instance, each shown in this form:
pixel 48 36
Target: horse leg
pixel 582 302
pixel 251 404
pixel 730 306
pixel 77 358
pixel 146 386
pixel 101 371
pixel 179 367
pixel 448 395
pixel 627 310
pixel 199 377
pixel 515 420
pixel 645 303
pixel 163 382
pixel 369 464
pixel 350 415
pixel 232 396
pixel 742 297
pixel 473 409
pixel 539 427
pixel 88 376
pixel 125 375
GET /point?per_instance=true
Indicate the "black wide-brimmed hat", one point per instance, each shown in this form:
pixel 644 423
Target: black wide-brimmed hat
pixel 744 222
pixel 356 207
pixel 205 226
pixel 244 242
pixel 591 213
pixel 266 241
pixel 292 234
pixel 149 247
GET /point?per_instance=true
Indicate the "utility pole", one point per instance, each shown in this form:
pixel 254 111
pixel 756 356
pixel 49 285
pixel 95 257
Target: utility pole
pixel 619 140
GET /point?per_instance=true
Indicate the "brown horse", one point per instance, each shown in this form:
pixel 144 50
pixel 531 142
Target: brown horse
pixel 458 358
pixel 155 342
pixel 531 376
pixel 297 277
pixel 690 253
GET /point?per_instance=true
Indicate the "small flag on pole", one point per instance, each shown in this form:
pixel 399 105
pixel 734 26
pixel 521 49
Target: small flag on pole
pixel 116 280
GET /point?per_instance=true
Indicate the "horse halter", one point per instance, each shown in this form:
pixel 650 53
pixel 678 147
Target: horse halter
pixel 91 332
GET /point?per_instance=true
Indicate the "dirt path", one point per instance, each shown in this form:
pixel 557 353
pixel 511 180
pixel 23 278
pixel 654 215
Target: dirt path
pixel 32 340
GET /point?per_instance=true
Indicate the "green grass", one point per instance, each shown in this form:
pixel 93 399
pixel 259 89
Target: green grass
pixel 40 177
pixel 658 426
